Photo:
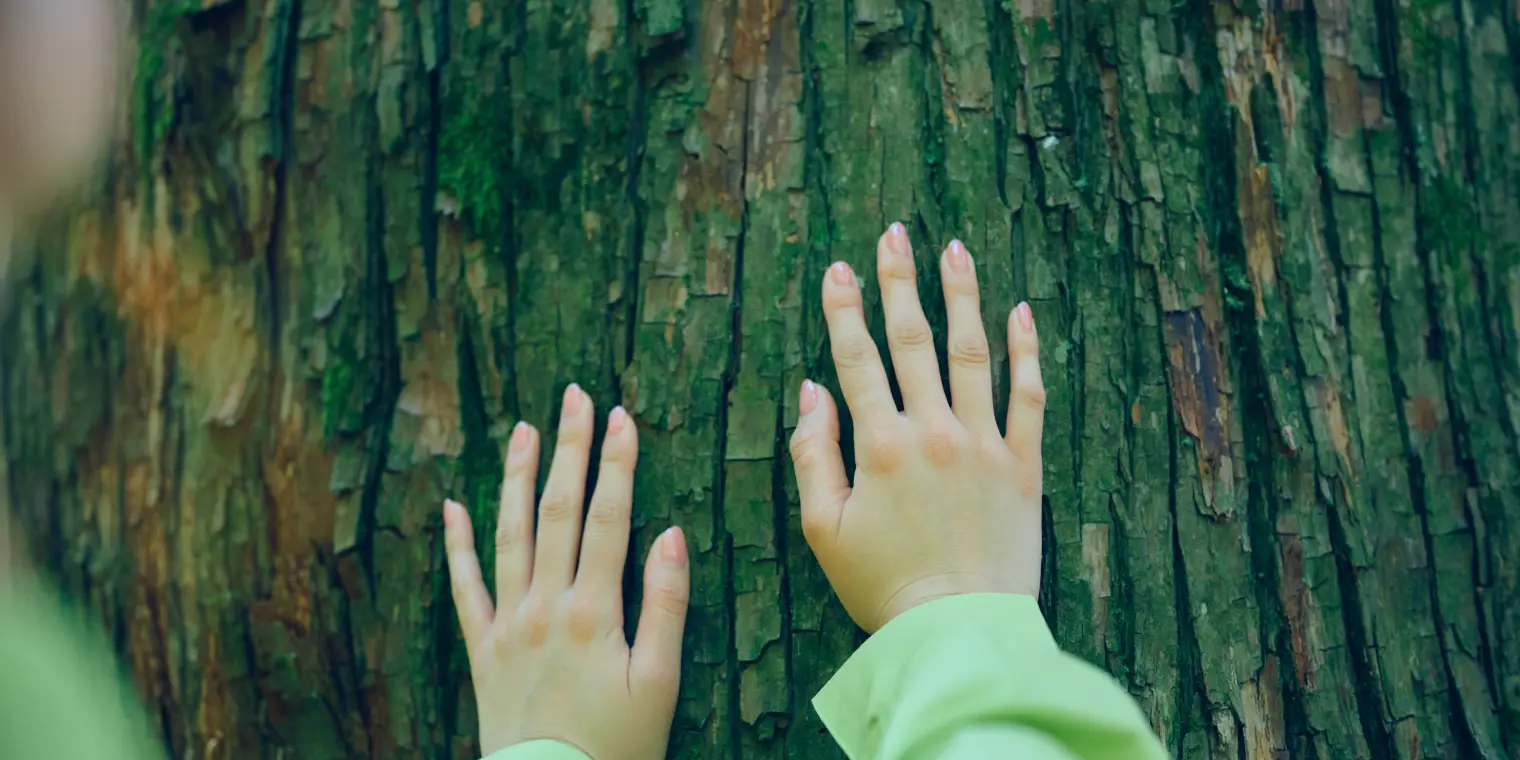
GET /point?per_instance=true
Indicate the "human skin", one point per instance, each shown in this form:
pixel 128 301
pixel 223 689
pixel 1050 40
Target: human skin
pixel 941 502
pixel 549 658
pixel 57 63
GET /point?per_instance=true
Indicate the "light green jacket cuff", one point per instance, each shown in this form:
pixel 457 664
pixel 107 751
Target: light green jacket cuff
pixel 976 676
pixel 540 749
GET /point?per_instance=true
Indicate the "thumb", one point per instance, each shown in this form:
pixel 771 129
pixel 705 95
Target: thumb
pixel 821 481
pixel 656 653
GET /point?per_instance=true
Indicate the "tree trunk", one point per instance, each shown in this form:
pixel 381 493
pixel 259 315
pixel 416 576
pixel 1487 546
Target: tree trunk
pixel 1274 251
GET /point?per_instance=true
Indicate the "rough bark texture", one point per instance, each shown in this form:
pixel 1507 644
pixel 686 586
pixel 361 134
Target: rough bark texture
pixel 1273 248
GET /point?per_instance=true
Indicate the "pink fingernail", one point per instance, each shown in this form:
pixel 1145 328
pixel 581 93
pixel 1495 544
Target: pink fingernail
pixel 959 261
pixel 842 274
pixel 519 442
pixel 450 512
pixel 573 399
pixel 673 546
pixel 1026 316
pixel 616 420
pixel 897 240
pixel 807 398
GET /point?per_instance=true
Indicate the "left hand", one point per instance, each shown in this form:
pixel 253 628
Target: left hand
pixel 550 660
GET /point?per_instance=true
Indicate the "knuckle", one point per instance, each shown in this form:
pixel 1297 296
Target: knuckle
pixel 941 446
pixel 992 453
pixel 914 334
pixel 804 447
pixel 670 599
pixel 585 618
pixel 883 449
pixel 574 434
pixel 971 351
pixel 1025 343
pixel 523 465
pixel 836 297
pixel 606 512
pixel 536 618
pixel 957 284
pixel 511 534
pixel 898 268
pixel 1031 393
pixel 619 451
pixel 557 508
pixel 853 351
pixel 808 461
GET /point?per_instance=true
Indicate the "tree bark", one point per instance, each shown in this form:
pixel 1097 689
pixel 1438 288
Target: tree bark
pixel 342 247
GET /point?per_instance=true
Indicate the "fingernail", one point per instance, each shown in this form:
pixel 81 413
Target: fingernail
pixel 958 259
pixel 519 440
pixel 897 240
pixel 1026 316
pixel 841 273
pixel 573 399
pixel 450 512
pixel 616 420
pixel 673 546
pixel 807 398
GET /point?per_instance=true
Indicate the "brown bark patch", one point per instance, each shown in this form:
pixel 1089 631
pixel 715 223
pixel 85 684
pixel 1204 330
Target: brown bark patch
pixel 1032 9
pixel 1261 702
pixel 1095 567
pixel 1258 216
pixel 213 718
pixel 1295 599
pixel 1197 370
pixel 1343 97
pixel 1421 411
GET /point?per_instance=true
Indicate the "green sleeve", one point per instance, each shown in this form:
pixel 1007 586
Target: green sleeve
pixel 62 694
pixel 977 676
pixel 542 749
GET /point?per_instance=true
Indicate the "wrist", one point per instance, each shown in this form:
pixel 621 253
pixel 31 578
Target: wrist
pixel 945 585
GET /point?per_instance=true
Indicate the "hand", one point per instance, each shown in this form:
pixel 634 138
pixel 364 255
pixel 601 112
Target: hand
pixel 941 505
pixel 550 661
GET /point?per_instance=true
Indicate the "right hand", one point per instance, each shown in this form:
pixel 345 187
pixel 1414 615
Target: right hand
pixel 942 504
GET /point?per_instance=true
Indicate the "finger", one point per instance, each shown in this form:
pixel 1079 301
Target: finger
pixel 908 333
pixel 514 523
pixel 605 547
pixel 656 657
pixel 856 359
pixel 821 479
pixel 970 365
pixel 471 600
pixel 1026 406
pixel 559 509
